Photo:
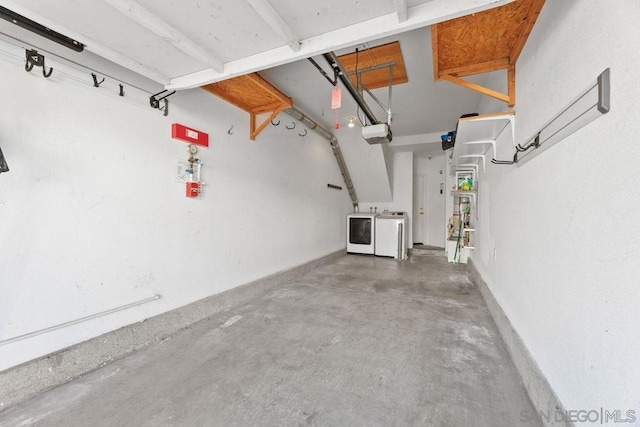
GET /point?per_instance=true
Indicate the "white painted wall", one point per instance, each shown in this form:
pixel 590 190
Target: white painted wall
pixel 368 165
pixel 402 191
pixel 91 218
pixel 564 224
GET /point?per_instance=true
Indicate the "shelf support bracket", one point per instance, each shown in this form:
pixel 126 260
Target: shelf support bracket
pixel 509 98
pixel 253 116
pixel 469 165
pixel 481 156
pixel 491 142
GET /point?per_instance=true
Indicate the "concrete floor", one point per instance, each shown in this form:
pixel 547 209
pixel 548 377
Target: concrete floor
pixel 363 341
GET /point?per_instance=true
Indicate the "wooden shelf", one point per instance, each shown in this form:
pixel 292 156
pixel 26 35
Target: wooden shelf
pixel 374 63
pixel 254 95
pixel 483 42
pixel 477 139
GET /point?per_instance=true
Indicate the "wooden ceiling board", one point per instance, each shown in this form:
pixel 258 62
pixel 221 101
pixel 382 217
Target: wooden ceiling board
pixel 483 42
pixel 494 36
pixel 254 95
pixel 372 57
pixel 530 20
pixel 249 93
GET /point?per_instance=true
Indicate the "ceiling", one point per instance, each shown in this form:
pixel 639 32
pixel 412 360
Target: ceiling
pixel 419 106
pixel 183 45
pixel 188 44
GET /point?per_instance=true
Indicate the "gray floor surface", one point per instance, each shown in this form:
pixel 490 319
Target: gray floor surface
pixel 363 341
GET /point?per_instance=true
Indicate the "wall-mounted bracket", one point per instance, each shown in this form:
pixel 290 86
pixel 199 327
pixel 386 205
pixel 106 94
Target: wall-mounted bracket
pixel 34 59
pixel 254 127
pixel 509 98
pixel 156 99
pixel 96 83
pixel 254 95
pixel 480 156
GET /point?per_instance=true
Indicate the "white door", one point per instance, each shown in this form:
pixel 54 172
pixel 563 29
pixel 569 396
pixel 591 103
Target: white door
pixel 435 202
pixel 418 209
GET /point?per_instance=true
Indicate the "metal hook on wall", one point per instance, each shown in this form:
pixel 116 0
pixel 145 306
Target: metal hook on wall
pixel 303 134
pixel 121 90
pixel 165 109
pixel 293 127
pixel 34 59
pixel 230 131
pixel 96 83
pixel 154 101
pixel 275 124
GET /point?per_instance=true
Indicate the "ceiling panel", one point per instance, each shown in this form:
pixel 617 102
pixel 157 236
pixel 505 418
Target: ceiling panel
pixel 185 44
pixel 419 106
pixel 101 23
pixel 308 19
pixel 230 30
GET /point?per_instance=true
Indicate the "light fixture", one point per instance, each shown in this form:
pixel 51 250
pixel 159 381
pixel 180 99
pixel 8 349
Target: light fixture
pixel 351 121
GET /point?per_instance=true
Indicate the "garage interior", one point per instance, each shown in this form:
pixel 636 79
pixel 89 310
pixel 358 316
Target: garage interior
pixel 134 292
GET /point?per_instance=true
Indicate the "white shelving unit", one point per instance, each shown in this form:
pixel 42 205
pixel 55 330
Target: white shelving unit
pixel 459 239
pixel 478 138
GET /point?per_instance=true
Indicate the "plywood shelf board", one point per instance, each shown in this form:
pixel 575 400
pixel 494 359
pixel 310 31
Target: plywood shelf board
pixel 373 57
pixel 493 35
pixel 248 92
pixel 483 42
pixel 254 95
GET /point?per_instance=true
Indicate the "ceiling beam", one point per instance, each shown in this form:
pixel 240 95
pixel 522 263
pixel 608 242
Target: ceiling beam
pixel 159 27
pixel 402 10
pixel 90 45
pixel 271 16
pixel 421 15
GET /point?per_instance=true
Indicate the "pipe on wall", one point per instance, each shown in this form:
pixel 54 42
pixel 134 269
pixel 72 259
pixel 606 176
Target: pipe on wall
pixel 337 152
pixel 76 321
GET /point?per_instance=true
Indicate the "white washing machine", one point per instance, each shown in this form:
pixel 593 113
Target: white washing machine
pixel 361 233
pixel 391 235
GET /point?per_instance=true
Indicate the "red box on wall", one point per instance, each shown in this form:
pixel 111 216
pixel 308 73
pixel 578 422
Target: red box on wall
pixel 193 136
pixel 193 189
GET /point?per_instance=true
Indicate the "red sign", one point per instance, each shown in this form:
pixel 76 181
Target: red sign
pixel 336 98
pixel 193 136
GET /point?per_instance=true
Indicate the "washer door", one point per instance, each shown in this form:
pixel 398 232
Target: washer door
pixel 360 231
